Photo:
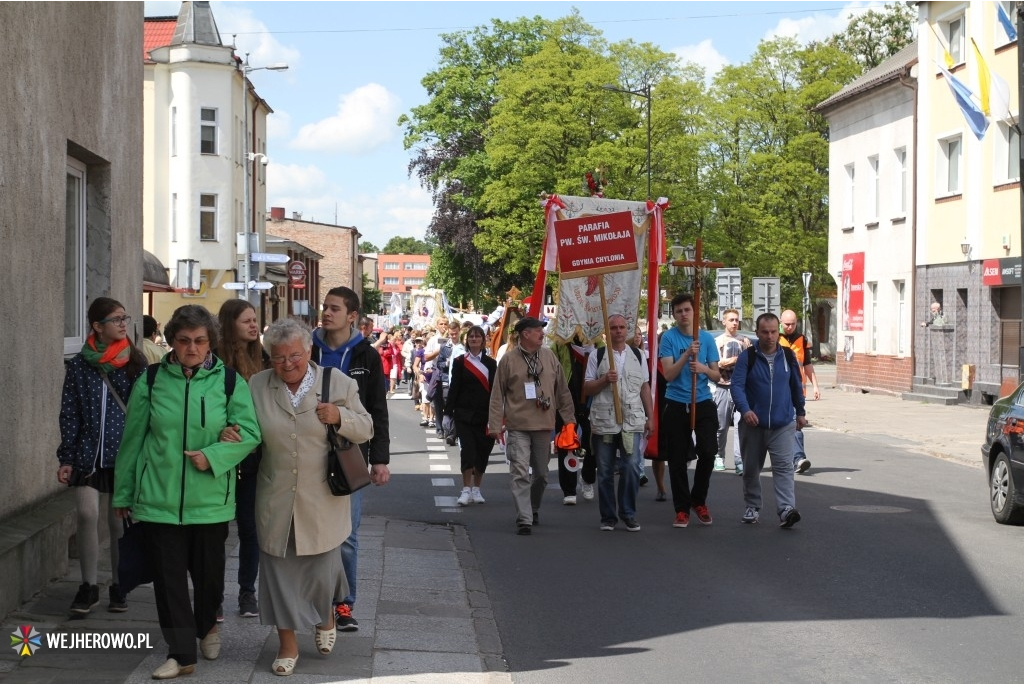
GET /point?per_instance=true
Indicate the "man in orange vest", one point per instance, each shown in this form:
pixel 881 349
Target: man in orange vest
pixel 801 349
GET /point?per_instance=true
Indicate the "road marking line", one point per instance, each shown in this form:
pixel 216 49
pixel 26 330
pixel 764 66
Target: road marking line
pixel 438 456
pixel 440 467
pixel 442 501
pixel 437 448
pixel 443 482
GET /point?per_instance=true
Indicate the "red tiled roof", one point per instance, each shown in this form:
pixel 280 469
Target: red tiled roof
pixel 157 32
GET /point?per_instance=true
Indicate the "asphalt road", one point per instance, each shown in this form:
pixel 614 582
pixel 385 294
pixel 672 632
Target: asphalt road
pixel 897 573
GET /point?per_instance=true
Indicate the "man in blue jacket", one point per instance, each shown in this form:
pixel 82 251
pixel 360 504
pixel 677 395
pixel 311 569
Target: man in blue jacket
pixel 766 388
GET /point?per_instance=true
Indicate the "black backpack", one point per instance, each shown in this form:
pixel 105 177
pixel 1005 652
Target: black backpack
pixel 790 356
pixel 636 353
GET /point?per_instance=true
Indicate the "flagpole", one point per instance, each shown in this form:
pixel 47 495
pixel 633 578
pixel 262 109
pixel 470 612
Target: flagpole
pixel 1020 101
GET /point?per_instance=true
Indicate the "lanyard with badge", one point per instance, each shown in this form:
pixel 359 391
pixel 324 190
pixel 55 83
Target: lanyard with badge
pixel 532 388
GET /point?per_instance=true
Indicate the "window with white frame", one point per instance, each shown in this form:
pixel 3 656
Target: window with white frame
pixel 391 266
pixel 391 280
pixel 950 162
pixel 851 187
pixel 174 131
pixel 1006 23
pixel 174 217
pixel 874 187
pixel 901 179
pixel 901 316
pixel 415 266
pixel 953 33
pixel 74 257
pixel 207 217
pixel 208 131
pixel 873 312
pixel 1007 154
pixel 417 280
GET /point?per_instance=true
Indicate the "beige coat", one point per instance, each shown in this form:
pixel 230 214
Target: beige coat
pixel 292 479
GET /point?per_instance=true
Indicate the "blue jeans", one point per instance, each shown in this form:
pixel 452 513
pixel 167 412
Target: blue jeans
pixel 350 548
pixel 799 453
pixel 629 480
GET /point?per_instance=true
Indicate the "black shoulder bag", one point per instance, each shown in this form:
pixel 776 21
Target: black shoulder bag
pixel 346 468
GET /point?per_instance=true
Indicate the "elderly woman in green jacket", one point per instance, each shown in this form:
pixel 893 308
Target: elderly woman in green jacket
pixel 174 473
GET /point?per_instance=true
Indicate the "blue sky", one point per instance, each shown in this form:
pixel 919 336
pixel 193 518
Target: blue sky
pixel 355 67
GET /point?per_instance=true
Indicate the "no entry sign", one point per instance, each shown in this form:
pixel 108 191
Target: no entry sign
pixel 596 244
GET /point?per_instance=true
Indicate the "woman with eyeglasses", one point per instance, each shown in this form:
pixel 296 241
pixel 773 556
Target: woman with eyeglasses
pixel 175 474
pixel 301 525
pixel 97 384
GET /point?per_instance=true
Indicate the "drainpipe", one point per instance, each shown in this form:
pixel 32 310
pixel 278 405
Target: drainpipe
pixel 913 221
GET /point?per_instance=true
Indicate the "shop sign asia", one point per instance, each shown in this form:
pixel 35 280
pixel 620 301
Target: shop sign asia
pixel 596 244
pixel 297 274
pixel 853 292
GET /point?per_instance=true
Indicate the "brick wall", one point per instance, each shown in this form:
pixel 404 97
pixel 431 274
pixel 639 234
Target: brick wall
pixel 875 372
pixel 338 245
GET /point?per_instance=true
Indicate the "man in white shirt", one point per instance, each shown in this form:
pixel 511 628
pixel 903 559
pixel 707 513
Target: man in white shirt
pixel 730 345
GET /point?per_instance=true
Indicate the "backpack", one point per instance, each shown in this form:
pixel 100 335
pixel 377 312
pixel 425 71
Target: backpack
pixel 230 378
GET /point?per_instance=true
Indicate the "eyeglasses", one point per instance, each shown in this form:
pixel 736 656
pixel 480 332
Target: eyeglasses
pixel 118 320
pixel 188 342
pixel 291 359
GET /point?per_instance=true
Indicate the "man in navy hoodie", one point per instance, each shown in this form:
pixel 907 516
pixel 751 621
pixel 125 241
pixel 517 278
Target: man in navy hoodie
pixel 766 388
pixel 339 343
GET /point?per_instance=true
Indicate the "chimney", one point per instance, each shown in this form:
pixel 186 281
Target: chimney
pixel 297 216
pixel 277 213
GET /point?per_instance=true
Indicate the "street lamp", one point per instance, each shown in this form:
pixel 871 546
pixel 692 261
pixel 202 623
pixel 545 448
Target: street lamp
pixel 644 93
pixel 251 157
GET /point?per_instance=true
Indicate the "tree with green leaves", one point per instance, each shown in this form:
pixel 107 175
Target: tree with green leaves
pixel 372 298
pixel 406 245
pixel 366 247
pixel 876 34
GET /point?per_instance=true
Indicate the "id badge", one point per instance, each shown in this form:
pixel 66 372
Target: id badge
pixel 531 391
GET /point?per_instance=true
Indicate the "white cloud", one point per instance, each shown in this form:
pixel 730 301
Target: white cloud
pixel 399 210
pixel 818 26
pixel 251 36
pixel 365 120
pixel 279 125
pixel 703 54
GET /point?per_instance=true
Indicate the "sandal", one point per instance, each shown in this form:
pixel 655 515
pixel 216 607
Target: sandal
pixel 284 665
pixel 325 639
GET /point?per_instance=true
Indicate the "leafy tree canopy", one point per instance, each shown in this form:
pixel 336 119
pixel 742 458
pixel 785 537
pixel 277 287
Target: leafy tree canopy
pixel 406 245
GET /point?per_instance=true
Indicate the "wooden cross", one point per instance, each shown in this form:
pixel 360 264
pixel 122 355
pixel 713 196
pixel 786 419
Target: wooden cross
pixel 698 264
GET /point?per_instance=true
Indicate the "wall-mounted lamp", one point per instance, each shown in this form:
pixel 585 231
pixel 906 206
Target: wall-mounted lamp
pixel 965 248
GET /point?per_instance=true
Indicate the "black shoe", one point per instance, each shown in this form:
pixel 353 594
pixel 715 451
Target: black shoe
pixel 631 525
pixel 524 530
pixel 248 607
pixel 536 519
pixel 424 423
pixel 643 480
pixel 118 601
pixel 343 620
pixel 220 613
pixel 789 517
pixel 86 599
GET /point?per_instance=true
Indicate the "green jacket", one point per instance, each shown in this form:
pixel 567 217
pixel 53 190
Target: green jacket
pixel 152 475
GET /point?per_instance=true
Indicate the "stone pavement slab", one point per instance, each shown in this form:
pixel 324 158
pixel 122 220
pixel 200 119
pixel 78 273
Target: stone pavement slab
pixel 418 623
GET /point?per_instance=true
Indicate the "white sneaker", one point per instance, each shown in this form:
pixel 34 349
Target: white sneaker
pixel 569 500
pixel 477 497
pixel 719 464
pixel 588 491
pixel 466 497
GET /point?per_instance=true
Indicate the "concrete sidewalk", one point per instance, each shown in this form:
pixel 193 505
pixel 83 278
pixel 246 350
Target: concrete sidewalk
pixel 423 613
pixel 949 432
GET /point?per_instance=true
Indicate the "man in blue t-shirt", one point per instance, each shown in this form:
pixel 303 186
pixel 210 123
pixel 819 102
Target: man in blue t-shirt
pixel 681 357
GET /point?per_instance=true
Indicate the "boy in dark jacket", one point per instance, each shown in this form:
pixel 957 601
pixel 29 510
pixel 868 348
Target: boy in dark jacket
pixel 339 343
pixel 766 388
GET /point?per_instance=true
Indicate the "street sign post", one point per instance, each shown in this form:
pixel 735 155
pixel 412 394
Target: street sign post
pixel 730 291
pixel 766 294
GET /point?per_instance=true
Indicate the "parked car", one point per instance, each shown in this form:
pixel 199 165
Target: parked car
pixel 1003 457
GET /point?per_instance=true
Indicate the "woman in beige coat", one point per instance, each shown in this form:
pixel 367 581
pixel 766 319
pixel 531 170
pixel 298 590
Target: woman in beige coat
pixel 299 523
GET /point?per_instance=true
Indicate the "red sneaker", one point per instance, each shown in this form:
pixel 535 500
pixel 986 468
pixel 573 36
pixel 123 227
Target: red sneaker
pixel 682 520
pixel 703 515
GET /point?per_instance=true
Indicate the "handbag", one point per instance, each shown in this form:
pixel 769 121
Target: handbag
pixel 346 468
pixel 133 567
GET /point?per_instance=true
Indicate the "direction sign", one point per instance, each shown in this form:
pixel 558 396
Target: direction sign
pixel 234 286
pixel 253 285
pixel 269 257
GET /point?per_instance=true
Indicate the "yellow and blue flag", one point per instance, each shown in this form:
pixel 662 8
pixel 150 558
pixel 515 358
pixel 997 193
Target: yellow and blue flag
pixel 976 119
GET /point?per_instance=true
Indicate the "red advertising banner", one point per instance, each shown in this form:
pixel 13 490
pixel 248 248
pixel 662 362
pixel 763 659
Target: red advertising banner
pixel 996 272
pixel 853 292
pixel 596 244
